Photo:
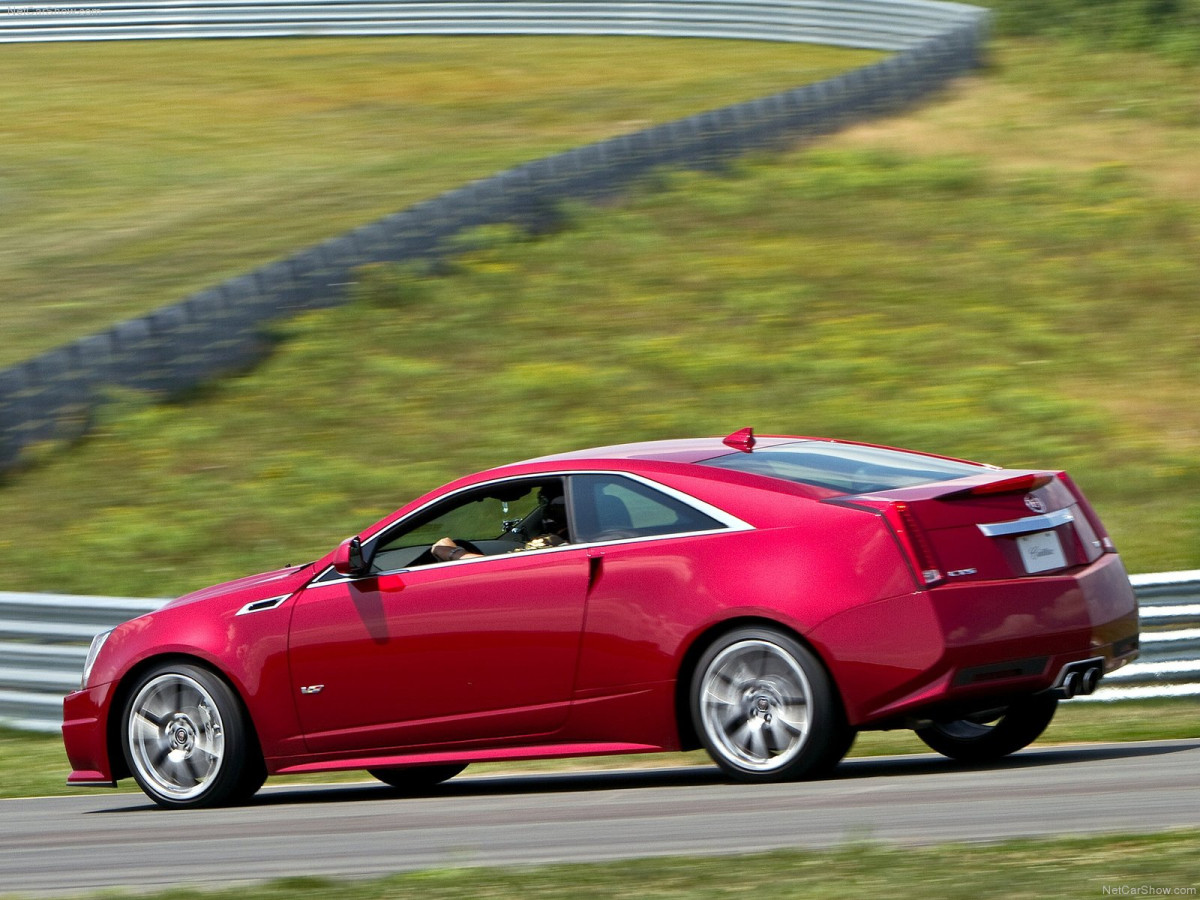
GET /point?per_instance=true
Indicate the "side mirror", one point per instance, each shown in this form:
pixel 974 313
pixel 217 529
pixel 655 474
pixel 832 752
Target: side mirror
pixel 348 559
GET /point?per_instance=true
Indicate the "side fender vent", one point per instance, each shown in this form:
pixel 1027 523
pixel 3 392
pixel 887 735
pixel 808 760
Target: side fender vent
pixel 262 605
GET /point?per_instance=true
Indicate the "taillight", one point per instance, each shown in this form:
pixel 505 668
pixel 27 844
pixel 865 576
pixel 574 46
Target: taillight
pixel 1106 542
pixel 913 540
pixel 918 545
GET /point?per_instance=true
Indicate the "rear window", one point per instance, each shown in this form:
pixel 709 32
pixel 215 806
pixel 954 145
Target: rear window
pixel 844 468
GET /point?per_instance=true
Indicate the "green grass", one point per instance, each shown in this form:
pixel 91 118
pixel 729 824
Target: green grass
pixel 921 282
pixel 1007 274
pixel 1170 28
pixel 1036 869
pixel 1144 865
pixel 132 173
pixel 35 765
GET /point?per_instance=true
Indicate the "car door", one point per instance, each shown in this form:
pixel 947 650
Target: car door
pixel 474 650
pixel 653 554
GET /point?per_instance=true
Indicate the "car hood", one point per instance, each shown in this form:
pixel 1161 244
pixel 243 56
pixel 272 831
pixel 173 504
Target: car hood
pixel 251 587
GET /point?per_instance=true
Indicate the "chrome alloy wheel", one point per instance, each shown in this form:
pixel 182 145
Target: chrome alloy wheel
pixel 176 736
pixel 755 705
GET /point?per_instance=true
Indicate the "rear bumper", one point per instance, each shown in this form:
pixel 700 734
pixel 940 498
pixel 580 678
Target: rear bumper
pixel 85 736
pixel 1091 612
pixel 967 646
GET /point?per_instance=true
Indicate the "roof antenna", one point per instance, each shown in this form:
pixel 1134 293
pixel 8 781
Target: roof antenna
pixel 741 440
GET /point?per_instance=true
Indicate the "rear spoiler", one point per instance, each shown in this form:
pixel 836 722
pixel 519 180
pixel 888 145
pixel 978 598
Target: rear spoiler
pixel 1017 484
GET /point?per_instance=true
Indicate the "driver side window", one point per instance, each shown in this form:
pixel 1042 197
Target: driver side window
pixel 478 519
pixel 493 519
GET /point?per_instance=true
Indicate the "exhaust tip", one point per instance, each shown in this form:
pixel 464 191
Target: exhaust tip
pixel 1070 685
pixel 1091 678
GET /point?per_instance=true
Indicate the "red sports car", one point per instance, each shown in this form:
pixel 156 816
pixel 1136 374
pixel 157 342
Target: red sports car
pixel 765 599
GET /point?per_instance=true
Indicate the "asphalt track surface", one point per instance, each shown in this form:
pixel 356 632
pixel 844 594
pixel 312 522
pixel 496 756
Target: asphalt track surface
pixel 71 844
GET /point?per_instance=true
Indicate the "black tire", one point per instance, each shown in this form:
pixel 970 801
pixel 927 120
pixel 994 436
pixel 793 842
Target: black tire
pixel 187 739
pixel 254 774
pixel 993 735
pixel 765 709
pixel 837 753
pixel 415 779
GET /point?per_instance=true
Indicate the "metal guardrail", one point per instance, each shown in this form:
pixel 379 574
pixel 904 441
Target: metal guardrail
pixel 44 638
pixel 1169 665
pixel 875 24
pixel 43 642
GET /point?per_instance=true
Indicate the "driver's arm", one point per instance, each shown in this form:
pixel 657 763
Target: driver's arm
pixel 446 550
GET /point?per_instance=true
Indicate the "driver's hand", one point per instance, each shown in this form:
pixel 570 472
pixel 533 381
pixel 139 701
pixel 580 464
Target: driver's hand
pixel 443 550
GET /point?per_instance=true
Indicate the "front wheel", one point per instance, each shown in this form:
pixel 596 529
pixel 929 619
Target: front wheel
pixel 765 709
pixel 991 735
pixel 187 740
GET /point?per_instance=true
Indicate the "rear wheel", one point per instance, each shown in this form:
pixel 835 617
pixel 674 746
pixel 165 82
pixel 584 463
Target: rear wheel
pixel 765 709
pixel 187 740
pixel 414 779
pixel 994 734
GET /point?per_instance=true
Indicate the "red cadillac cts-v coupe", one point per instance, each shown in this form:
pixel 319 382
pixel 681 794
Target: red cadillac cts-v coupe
pixel 763 598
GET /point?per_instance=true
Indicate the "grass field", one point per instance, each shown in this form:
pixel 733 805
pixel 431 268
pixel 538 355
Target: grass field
pixel 1008 274
pixel 1149 865
pixel 132 173
pixel 1170 29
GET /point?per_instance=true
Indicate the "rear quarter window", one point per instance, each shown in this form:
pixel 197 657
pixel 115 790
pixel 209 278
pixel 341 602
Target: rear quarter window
pixel 610 507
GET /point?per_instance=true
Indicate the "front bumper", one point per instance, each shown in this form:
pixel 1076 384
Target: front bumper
pixel 85 736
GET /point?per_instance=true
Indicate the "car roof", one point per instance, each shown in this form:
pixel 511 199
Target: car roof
pixel 686 450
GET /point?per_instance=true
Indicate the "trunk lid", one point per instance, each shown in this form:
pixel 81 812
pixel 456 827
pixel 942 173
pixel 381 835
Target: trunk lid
pixel 993 526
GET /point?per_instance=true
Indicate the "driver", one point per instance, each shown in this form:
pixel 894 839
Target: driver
pixel 554 533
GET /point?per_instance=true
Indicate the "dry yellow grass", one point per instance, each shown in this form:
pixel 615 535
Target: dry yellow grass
pixel 133 173
pixel 1034 110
